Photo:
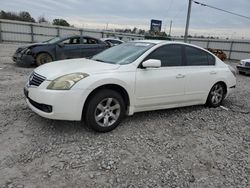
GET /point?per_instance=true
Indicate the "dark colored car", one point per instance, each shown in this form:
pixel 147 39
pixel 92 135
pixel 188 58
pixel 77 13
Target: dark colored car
pixel 58 48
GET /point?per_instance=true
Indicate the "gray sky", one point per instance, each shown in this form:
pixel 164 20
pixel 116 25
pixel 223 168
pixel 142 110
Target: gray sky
pixel 138 13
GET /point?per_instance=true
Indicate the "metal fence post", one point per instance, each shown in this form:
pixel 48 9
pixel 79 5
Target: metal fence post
pixel 207 43
pixel 58 32
pixel 230 51
pixel 1 38
pixel 32 33
pixel 81 32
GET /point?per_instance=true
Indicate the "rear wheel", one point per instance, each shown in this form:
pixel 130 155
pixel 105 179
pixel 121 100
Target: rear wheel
pixel 216 95
pixel 43 58
pixel 105 110
pixel 240 72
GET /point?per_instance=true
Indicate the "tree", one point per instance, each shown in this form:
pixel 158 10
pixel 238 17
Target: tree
pixel 22 16
pixel 60 22
pixel 42 19
pixel 25 16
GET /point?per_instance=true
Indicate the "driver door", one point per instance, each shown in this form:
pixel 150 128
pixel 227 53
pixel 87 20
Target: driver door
pixel 69 48
pixel 159 87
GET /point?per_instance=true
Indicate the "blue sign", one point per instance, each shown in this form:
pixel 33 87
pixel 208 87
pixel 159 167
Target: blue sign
pixel 156 25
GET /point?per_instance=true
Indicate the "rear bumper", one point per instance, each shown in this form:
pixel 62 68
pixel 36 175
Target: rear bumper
pixel 23 59
pixel 243 69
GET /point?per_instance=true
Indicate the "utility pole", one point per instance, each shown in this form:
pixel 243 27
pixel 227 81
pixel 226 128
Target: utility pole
pixel 170 28
pixel 187 21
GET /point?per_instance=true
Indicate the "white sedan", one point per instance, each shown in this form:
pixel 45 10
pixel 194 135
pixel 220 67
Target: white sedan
pixel 132 77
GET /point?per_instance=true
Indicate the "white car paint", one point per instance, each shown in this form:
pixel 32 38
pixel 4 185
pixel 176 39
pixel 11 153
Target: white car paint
pixel 148 89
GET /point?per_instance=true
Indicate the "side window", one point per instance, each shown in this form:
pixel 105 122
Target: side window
pixel 211 59
pixel 197 57
pixel 170 55
pixel 75 40
pixel 92 41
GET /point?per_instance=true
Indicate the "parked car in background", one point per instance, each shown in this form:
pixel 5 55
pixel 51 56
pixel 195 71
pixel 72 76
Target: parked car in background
pixel 131 77
pixel 219 53
pixel 112 42
pixel 244 66
pixel 58 48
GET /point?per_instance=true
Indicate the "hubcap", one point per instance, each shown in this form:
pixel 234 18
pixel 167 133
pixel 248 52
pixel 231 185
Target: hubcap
pixel 217 94
pixel 107 112
pixel 45 59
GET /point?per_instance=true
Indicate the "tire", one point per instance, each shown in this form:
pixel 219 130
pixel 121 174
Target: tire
pixel 43 58
pixel 104 110
pixel 216 95
pixel 240 72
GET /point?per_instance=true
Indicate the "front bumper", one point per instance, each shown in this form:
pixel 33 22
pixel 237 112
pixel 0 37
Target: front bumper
pixel 64 104
pixel 23 59
pixel 243 69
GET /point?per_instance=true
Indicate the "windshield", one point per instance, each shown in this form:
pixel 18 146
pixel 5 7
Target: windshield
pixel 53 40
pixel 124 53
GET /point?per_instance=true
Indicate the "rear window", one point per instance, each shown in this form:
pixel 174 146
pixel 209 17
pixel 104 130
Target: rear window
pixel 198 57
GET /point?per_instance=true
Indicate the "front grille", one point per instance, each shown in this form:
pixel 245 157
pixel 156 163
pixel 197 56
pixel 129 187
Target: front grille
pixel 247 64
pixel 36 79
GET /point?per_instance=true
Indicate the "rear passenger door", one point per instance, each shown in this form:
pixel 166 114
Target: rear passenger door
pixel 91 47
pixel 200 73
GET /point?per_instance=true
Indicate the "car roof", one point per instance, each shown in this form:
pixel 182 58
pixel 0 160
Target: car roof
pixel 111 39
pixel 162 42
pixel 69 36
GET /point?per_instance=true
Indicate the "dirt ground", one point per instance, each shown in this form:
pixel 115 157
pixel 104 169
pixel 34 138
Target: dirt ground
pixel 188 147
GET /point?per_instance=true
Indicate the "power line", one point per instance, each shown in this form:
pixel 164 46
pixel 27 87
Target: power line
pixel 229 12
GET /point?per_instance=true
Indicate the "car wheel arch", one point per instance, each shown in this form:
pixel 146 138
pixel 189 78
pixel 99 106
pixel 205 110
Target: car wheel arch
pixel 46 52
pixel 118 88
pixel 224 86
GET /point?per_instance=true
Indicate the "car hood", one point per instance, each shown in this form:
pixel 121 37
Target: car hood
pixel 59 68
pixel 32 45
pixel 246 60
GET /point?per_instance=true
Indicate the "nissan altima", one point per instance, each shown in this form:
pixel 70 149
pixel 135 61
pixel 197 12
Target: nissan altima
pixel 132 77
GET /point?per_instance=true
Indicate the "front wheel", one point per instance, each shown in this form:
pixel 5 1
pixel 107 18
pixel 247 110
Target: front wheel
pixel 216 95
pixel 43 58
pixel 104 110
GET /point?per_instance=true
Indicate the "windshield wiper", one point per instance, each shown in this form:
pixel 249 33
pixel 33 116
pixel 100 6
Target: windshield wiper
pixel 99 60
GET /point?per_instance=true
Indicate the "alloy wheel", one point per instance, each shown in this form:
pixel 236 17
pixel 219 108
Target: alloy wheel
pixel 107 112
pixel 217 94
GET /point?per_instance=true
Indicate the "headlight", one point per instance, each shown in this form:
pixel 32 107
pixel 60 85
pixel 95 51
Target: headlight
pixel 27 51
pixel 67 81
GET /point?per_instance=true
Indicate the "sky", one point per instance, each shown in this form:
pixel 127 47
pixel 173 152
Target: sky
pixel 99 14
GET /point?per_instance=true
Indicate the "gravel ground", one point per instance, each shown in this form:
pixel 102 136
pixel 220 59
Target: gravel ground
pixel 187 147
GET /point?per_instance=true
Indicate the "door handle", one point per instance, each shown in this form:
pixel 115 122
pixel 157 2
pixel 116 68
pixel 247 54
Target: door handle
pixel 180 76
pixel 213 72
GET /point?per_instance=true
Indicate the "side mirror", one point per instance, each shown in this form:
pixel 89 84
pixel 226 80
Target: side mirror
pixel 152 63
pixel 61 45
